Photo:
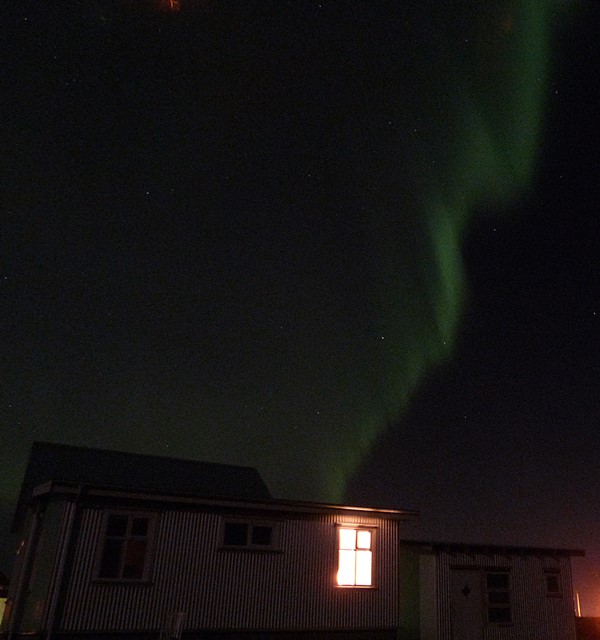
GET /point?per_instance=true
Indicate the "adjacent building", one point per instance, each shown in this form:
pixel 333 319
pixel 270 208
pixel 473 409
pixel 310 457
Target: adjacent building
pixel 477 592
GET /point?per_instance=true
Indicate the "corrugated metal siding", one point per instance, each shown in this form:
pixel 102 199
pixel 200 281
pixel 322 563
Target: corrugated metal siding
pixel 536 616
pixel 224 589
pixel 442 587
pixel 66 512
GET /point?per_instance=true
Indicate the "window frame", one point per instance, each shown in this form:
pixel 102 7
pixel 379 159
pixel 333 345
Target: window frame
pixel 553 573
pixel 498 606
pixel 358 528
pixel 128 537
pixel 249 545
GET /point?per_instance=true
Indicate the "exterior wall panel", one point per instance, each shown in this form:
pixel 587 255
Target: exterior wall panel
pixel 290 588
pixel 46 540
pixel 535 615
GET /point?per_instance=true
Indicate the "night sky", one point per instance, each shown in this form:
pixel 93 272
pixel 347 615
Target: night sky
pixel 352 244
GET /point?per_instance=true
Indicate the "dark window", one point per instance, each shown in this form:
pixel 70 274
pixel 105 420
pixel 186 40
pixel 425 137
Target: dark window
pixel 236 534
pixel 139 527
pixel 553 586
pixel 498 597
pixel 262 535
pixel 125 547
pixel 248 535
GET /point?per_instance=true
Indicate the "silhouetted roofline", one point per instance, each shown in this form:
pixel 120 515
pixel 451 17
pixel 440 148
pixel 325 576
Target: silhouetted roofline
pixel 51 462
pixel 467 547
pixel 104 473
pixel 85 491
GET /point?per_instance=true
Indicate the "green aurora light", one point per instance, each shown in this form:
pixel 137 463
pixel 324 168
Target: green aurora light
pixel 492 100
pixel 260 229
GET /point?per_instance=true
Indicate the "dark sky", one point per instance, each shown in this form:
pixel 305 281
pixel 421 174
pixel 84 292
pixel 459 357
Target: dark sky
pixel 351 244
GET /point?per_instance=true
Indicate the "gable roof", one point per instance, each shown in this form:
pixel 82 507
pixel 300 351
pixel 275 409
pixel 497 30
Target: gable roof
pixel 66 463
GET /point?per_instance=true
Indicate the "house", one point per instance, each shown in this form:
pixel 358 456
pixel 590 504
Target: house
pixel 123 545
pixel 115 543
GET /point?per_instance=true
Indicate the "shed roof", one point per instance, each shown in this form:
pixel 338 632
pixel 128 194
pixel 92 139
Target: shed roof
pixel 467 547
pixel 66 463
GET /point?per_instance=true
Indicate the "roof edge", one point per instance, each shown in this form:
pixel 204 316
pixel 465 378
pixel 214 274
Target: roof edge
pixel 290 506
pixel 468 547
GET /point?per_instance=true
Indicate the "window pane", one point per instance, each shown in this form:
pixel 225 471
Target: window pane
pixel 363 567
pixel 347 538
pixel 552 584
pixel 497 580
pixel 363 539
pixel 235 534
pixel 346 570
pixel 139 527
pixel 135 555
pixel 116 526
pixel 498 597
pixel 111 558
pixel 262 535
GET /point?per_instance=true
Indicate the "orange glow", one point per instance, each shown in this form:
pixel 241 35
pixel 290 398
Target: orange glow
pixel 355 558
pixel 170 5
pixel 363 539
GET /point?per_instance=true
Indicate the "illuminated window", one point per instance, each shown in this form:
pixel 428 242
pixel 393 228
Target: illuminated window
pixel 249 535
pixel 355 557
pixel 125 547
pixel 498 597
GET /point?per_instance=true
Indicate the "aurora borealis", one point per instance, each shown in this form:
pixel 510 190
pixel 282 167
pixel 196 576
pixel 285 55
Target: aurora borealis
pixel 238 234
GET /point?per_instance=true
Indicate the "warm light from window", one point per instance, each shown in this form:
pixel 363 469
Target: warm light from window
pixel 170 5
pixel 355 558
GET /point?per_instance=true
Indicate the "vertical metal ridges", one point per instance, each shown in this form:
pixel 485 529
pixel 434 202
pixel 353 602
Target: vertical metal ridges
pixel 535 615
pixel 210 587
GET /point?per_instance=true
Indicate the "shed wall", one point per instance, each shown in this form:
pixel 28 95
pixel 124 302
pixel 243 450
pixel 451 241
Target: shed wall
pixel 535 615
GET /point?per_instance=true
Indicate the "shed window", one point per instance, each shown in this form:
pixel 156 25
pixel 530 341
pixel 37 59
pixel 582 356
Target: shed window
pixel 125 547
pixel 498 597
pixel 553 584
pixel 355 557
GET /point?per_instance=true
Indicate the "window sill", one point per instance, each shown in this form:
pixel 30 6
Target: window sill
pixel 357 587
